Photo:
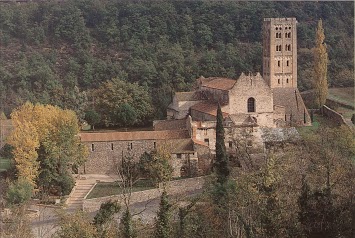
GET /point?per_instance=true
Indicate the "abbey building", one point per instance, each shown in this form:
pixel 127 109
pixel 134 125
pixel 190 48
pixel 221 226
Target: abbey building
pixel 257 109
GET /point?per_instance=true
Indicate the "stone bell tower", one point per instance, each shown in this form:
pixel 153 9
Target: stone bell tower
pixel 280 52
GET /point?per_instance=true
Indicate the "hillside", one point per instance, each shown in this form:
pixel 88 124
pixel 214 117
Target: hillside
pixel 57 53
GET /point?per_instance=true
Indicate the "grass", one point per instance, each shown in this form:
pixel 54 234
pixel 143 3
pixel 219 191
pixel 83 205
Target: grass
pixel 342 95
pixel 107 189
pixel 5 164
pixel 318 120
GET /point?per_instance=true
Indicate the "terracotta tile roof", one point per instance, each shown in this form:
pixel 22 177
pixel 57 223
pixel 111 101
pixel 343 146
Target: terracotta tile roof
pixel 199 142
pixel 169 125
pixel 291 99
pixel 179 145
pixel 187 96
pixel 134 135
pixel 220 83
pixel 208 108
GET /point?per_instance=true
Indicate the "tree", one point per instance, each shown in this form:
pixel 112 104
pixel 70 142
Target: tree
pixel 221 164
pixel 92 117
pixel 127 227
pixel 320 67
pixel 162 222
pixel 121 103
pixel 19 192
pixel 157 165
pixel 103 219
pixel 46 145
pixel 77 225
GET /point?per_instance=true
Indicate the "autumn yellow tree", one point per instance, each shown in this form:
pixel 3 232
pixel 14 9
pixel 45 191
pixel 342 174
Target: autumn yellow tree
pixel 46 145
pixel 320 67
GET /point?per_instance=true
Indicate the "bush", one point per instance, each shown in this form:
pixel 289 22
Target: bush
pixel 19 192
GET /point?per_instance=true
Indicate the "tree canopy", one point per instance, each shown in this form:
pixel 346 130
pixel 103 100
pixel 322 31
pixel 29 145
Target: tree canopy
pixel 49 48
pixel 46 145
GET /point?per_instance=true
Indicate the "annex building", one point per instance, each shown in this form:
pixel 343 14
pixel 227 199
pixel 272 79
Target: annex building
pixel 258 109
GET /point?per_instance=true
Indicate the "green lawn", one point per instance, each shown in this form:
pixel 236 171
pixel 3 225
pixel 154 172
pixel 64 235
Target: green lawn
pixel 5 164
pixel 107 189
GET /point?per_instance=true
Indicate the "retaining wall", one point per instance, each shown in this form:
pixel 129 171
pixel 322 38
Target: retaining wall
pixel 175 187
pixel 335 116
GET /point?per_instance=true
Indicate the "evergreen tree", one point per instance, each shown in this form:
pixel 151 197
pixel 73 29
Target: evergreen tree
pixel 317 213
pixel 127 227
pixel 320 67
pixel 162 223
pixel 221 164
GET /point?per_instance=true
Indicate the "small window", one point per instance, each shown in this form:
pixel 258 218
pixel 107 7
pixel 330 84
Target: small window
pixel 277 35
pixel 92 147
pixel 278 63
pixel 251 105
pixel 178 156
pixel 289 48
pixel 230 144
pixel 286 80
pixel 131 145
pixel 207 141
pixel 111 146
pixel 278 81
pixel 286 35
pixel 285 117
pixel 280 35
pixel 287 62
pixel 286 47
pixel 277 28
pixel 155 145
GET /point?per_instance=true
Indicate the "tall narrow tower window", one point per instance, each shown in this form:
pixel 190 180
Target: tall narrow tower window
pixel 251 105
pixel 289 47
pixel 286 35
pixel 277 35
pixel 278 81
pixel 278 63
pixel 289 34
pixel 288 63
pixel 286 80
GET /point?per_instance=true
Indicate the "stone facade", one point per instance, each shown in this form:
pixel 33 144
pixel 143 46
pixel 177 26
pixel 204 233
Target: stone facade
pixel 280 52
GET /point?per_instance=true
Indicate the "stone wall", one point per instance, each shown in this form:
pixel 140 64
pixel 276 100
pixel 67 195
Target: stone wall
pixel 252 86
pixel 104 157
pixel 336 117
pixel 176 187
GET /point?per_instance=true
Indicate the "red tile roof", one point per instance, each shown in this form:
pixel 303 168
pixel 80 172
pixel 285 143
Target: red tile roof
pixel 169 125
pixel 208 108
pixel 220 83
pixel 133 135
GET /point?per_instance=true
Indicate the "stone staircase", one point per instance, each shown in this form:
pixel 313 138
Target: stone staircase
pixel 83 185
pixel 76 197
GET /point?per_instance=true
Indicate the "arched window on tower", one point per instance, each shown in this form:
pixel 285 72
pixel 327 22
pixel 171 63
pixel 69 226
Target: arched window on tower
pixel 289 35
pixel 286 35
pixel 251 105
pixel 289 47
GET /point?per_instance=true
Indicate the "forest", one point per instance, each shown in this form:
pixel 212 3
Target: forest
pixel 73 54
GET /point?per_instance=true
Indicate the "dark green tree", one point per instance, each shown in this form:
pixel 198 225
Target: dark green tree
pixel 221 166
pixel 92 117
pixel 317 213
pixel 127 226
pixel 162 222
pixel 105 215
